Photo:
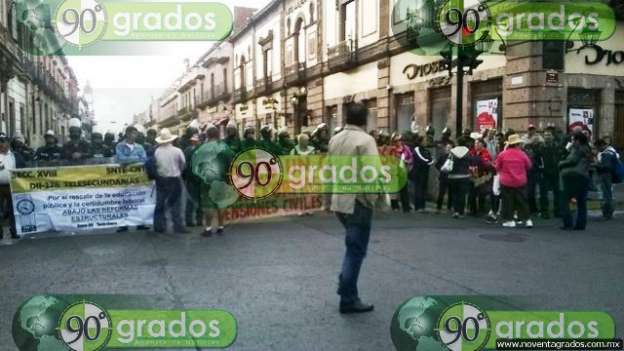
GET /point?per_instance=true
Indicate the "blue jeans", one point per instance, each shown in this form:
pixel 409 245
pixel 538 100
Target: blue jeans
pixel 577 188
pixel 168 196
pixel 358 227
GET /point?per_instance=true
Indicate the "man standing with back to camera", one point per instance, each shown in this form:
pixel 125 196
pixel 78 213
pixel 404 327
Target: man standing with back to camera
pixel 354 211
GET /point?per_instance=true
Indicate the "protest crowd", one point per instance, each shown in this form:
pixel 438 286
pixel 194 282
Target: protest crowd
pixel 505 177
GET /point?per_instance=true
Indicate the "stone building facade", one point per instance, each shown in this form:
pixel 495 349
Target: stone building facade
pixel 37 92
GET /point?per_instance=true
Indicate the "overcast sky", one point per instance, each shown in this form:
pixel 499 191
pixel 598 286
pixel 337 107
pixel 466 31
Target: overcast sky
pixel 124 85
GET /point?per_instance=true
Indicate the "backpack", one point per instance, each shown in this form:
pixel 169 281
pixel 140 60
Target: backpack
pixel 150 166
pixel 618 170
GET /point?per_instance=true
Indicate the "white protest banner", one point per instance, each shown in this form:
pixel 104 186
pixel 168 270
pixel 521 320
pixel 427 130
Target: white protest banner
pixel 60 199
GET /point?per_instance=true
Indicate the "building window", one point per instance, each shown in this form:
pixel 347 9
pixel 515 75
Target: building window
pixel 268 63
pixel 298 37
pixel 242 73
pixel 619 120
pixel 439 109
pixel 404 111
pixel 348 21
pixel 225 80
pixel 371 122
pixel 212 85
pixel 311 12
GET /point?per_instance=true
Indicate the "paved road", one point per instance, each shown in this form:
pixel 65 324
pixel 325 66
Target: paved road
pixel 279 277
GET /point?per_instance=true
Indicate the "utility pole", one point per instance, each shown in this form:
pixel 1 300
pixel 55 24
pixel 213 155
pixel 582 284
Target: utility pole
pixel 460 57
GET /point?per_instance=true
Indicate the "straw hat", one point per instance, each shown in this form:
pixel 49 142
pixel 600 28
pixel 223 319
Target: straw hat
pixel 165 136
pixel 514 139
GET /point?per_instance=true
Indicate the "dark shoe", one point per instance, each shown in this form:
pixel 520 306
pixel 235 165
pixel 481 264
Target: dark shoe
pixel 182 231
pixel 207 234
pixel 122 230
pixel 160 231
pixel 220 231
pixel 143 227
pixel 357 307
pixel 579 229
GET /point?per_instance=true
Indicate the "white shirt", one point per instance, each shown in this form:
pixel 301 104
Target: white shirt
pixel 7 163
pixel 170 161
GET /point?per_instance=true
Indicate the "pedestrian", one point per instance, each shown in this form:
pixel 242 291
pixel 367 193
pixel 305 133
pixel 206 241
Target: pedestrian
pixel 24 155
pixel 284 141
pixel 76 151
pixel 354 211
pixel 576 181
pixel 50 152
pixel 128 152
pixel 406 161
pixel 303 147
pixel 482 175
pixel 7 163
pixel 551 156
pixel 513 166
pixel 420 174
pixel 534 148
pixel 249 138
pixel 320 138
pixel 193 213
pixel 232 139
pixel 608 160
pixel 170 163
pixel 443 178
pixel 458 168
pixel 99 150
pixel 211 163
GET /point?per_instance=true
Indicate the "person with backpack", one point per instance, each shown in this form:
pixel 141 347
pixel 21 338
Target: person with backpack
pixel 170 163
pixel 606 165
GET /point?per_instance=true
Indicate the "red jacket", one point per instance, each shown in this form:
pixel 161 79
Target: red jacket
pixel 512 166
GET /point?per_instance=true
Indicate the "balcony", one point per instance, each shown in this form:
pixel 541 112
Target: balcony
pixel 295 74
pixel 240 95
pixel 343 56
pixel 264 86
pixel 215 96
pixel 186 113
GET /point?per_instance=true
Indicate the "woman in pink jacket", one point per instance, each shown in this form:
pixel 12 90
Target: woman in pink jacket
pixel 512 166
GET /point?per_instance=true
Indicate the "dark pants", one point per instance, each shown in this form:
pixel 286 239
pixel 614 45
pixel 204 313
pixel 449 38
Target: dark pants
pixel 193 213
pixel 606 186
pixel 168 197
pixel 403 199
pixel 514 201
pixel 575 188
pixel 534 182
pixel 443 188
pixel 358 227
pixel 6 205
pixel 421 184
pixel 550 183
pixel 478 197
pixel 459 188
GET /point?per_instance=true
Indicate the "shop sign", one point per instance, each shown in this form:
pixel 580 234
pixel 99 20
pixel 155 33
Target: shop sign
pixel 605 56
pixel 412 71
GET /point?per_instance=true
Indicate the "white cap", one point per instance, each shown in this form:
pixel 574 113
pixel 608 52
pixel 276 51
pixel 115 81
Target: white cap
pixel 50 133
pixel 75 123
